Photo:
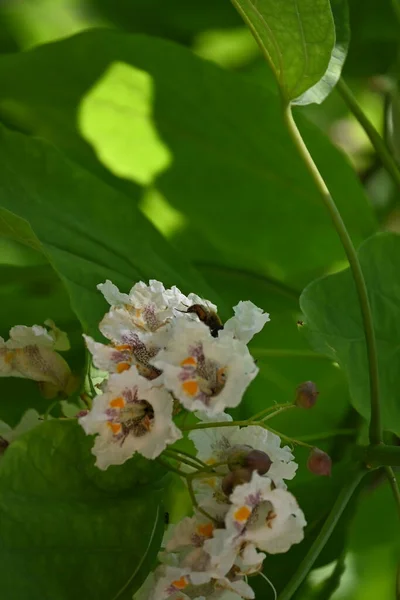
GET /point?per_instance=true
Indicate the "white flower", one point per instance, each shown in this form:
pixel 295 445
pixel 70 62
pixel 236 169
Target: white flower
pixel 176 583
pixel 248 320
pixel 117 358
pixel 132 415
pixel 147 308
pixel 30 353
pixel 214 445
pixel 205 373
pixel 268 518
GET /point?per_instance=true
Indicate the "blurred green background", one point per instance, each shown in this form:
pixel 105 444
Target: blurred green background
pixel 178 200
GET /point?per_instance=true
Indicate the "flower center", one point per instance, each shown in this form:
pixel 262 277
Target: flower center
pixel 202 377
pixel 130 415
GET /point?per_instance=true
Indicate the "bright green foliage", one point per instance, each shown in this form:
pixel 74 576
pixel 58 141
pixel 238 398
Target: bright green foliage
pixel 334 324
pixel 319 92
pixel 234 174
pixel 84 246
pixel 297 38
pixel 73 540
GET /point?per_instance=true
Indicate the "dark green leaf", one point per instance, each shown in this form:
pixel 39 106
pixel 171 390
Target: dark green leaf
pixel 234 179
pixel 297 38
pixel 61 536
pixel 334 327
pixel 88 231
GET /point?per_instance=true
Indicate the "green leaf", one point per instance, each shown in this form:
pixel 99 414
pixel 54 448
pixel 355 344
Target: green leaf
pixel 63 537
pixel 234 173
pixel 88 231
pixel 334 326
pixel 318 92
pixel 296 37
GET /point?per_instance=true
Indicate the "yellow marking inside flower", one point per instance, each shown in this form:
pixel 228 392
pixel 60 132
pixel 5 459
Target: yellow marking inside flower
pixel 117 402
pixel 270 517
pixel 138 312
pixel 123 347
pixel 190 387
pixel 8 356
pixel 115 427
pixel 189 361
pixel 121 367
pixel 242 514
pixel 206 530
pixel 221 375
pixel 181 583
pixel 210 461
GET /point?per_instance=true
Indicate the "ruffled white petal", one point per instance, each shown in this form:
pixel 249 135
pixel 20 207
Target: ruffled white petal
pixel 248 320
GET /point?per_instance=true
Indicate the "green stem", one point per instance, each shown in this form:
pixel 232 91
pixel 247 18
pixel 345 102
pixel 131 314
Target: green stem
pixel 217 424
pixel 195 503
pixel 308 561
pixel 265 411
pixel 390 474
pixel 188 455
pixel 169 467
pixel 181 459
pixel 326 435
pixel 375 138
pixel 277 412
pixel 375 432
pixel 382 455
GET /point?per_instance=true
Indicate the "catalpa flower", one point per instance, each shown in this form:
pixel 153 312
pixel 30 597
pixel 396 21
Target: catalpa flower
pixel 218 444
pixel 117 358
pixel 203 372
pixel 147 309
pixel 176 583
pixel 268 518
pixel 248 320
pixel 31 353
pixel 132 415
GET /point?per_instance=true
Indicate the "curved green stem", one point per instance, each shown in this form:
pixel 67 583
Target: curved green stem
pixel 375 432
pixel 390 474
pixel 375 138
pixel 308 561
pixel 326 435
pixel 382 455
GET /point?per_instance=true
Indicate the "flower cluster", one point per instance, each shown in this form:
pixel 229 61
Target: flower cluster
pixel 166 351
pixel 244 512
pixel 32 353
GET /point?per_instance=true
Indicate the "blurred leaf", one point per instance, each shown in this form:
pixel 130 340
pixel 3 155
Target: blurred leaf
pixel 180 20
pixel 73 539
pixel 334 325
pixel 234 173
pixel 374 38
pixel 316 499
pixel 97 234
pixel 318 92
pixel 32 294
pixel 296 37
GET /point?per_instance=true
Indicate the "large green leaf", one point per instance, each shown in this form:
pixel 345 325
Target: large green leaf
pixel 334 326
pixel 234 179
pixel 296 37
pixel 88 231
pixel 62 536
pixel 318 92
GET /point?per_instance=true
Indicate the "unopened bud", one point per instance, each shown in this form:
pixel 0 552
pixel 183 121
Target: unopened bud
pixel 319 462
pixel 259 461
pixel 237 456
pixel 306 394
pixel 235 478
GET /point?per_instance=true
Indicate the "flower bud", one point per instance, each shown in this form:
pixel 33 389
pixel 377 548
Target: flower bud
pixel 306 394
pixel 259 461
pixel 235 478
pixel 237 456
pixel 319 462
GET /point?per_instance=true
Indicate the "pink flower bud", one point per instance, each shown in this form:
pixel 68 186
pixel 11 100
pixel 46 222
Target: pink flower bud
pixel 319 462
pixel 306 394
pixel 259 461
pixel 234 478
